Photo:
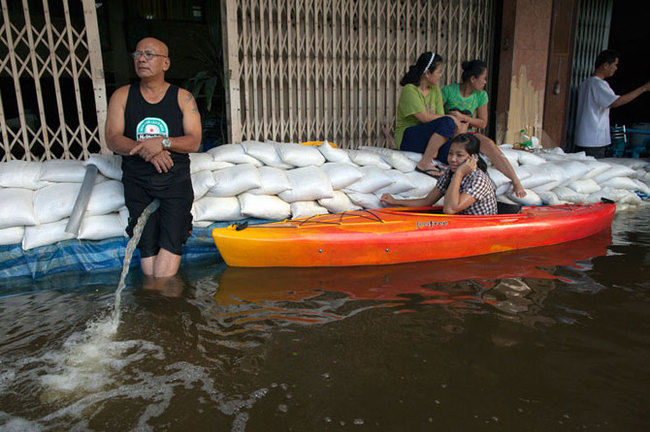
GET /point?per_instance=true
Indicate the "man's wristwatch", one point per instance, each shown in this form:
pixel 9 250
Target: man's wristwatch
pixel 166 143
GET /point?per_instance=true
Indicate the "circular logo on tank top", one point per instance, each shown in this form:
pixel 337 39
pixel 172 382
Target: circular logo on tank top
pixel 151 127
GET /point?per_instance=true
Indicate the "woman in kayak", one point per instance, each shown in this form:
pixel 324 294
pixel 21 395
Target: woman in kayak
pixel 467 101
pixel 467 190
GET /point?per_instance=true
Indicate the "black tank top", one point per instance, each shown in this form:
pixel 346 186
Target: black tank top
pixel 144 120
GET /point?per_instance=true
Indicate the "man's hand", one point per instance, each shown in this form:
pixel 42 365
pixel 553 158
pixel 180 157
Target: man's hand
pixel 147 149
pixel 162 161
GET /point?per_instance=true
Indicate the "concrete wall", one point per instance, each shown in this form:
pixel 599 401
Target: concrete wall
pixel 523 68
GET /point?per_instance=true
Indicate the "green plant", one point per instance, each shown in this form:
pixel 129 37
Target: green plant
pixel 206 82
pixel 208 86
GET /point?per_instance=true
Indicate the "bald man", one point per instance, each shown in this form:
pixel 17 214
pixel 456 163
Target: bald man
pixel 154 125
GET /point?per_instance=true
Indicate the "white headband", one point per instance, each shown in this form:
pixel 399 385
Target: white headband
pixel 433 55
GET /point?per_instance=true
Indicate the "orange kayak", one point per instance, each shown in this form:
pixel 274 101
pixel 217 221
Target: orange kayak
pixel 403 235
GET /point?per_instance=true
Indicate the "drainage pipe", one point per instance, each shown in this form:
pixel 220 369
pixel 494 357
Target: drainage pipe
pixel 82 200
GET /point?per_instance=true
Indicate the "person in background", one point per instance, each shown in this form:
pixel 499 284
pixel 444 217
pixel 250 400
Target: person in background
pixel 467 190
pixel 595 98
pixel 154 125
pixel 421 124
pixel 467 101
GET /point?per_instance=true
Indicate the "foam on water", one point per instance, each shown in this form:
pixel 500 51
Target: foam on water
pixel 91 359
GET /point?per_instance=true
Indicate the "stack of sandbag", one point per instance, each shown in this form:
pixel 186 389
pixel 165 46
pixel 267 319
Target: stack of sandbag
pixel 270 180
pixel 555 177
pixel 276 181
pixel 38 197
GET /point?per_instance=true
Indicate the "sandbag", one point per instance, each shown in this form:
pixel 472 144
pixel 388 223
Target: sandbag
pixel 101 227
pixel 20 174
pixel 332 154
pixel 618 183
pixel 424 184
pixel 216 209
pixel 274 181
pixel 17 207
pixel 202 182
pixel 373 179
pixel 395 158
pixel 11 235
pixel 368 158
pixel 569 195
pixel 300 155
pixel 632 163
pixel 550 198
pixel 108 164
pixel 342 174
pixel 232 181
pixel 573 170
pixel 366 201
pixel 615 170
pixel 585 186
pixel 338 203
pixel 528 158
pixel 106 197
pixel 307 184
pixel 414 156
pixel 205 161
pixel 546 186
pixel 301 209
pixel 617 195
pixel 539 175
pixel 233 153
pixel 45 234
pixel 264 206
pixel 266 152
pixel 55 202
pixel 595 168
pixel 641 186
pixel 401 183
pixel 63 171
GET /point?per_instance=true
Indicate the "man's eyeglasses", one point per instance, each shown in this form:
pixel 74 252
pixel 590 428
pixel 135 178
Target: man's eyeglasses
pixel 147 54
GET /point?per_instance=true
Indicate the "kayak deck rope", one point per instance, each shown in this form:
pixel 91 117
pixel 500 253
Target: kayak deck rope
pixel 338 217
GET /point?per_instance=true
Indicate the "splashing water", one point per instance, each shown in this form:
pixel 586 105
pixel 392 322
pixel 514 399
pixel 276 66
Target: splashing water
pixel 130 247
pixel 90 357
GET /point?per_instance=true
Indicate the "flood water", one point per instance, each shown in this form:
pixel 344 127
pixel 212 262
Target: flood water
pixel 546 339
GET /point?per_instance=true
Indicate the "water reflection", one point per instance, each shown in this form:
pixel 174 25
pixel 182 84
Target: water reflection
pixel 513 283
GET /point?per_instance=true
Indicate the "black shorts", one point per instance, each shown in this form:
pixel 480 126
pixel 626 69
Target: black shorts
pixel 169 226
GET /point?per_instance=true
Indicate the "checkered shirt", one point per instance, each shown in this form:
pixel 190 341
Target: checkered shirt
pixel 477 184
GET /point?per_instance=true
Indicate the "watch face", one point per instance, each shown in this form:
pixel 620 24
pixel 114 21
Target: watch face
pixel 166 143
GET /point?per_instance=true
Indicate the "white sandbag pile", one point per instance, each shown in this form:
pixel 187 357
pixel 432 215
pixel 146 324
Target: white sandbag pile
pixel 38 198
pixel 275 181
pixel 554 177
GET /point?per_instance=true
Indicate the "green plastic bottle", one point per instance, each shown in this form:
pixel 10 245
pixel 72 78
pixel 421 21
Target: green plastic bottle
pixel 525 142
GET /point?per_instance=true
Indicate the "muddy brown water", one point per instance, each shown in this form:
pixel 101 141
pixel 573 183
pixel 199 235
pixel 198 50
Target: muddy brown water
pixel 545 339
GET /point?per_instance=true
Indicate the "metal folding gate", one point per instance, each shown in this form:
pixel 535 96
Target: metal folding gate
pixel 591 37
pixel 53 96
pixel 315 69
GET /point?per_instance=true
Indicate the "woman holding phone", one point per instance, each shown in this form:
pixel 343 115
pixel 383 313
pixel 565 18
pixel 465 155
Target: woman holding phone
pixel 467 190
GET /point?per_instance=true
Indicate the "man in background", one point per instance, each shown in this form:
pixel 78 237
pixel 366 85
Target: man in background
pixel 595 99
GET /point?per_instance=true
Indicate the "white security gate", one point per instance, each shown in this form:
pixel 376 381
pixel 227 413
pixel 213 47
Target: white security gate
pixel 53 96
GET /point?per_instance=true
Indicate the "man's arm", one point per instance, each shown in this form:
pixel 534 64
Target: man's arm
pixel 629 97
pixel 115 139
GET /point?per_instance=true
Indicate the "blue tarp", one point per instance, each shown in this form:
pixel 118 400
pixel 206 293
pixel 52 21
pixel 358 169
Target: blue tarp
pixel 88 255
